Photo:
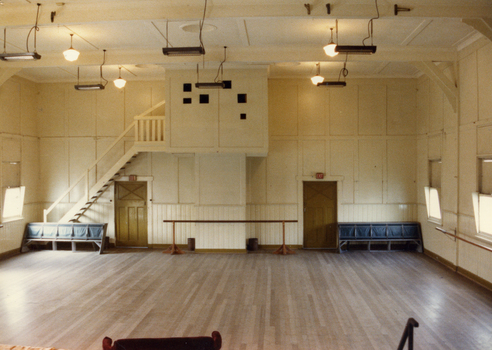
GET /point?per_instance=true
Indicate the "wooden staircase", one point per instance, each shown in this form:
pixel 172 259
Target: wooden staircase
pixel 148 136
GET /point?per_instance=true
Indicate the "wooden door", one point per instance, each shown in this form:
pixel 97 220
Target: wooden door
pixel 320 215
pixel 131 214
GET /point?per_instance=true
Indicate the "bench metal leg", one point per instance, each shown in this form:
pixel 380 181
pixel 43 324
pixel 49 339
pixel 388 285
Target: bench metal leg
pixel 74 248
pixel 54 246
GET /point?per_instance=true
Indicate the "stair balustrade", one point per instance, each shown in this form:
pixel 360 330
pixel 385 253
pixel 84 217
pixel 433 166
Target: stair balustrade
pixel 147 131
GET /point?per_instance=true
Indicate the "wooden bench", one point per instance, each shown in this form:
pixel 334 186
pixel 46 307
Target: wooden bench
pixel 379 232
pixel 65 232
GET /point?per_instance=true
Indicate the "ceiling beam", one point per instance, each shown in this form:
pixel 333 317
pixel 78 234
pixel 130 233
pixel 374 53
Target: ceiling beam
pixel 23 14
pixel 7 73
pixel 240 55
pixel 436 75
pixel 483 25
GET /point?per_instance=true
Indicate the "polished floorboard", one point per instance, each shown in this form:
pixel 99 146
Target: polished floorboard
pixel 310 300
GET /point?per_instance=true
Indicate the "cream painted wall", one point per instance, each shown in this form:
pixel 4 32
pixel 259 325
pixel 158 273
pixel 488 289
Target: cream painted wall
pixel 19 142
pixel 216 125
pixel 363 136
pixel 458 139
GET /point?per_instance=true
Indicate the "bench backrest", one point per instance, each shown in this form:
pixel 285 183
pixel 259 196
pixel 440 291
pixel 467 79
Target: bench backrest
pixel 400 230
pixel 65 231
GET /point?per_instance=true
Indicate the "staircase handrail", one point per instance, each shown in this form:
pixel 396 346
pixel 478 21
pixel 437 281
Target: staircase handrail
pixel 85 174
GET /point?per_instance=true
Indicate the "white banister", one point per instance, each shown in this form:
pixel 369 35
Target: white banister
pixel 146 129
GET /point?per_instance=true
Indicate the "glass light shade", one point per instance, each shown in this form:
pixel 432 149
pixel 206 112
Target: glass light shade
pixel 71 54
pixel 330 49
pixel 317 79
pixel 120 83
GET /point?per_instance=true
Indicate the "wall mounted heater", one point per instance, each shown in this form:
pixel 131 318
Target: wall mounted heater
pixel 356 49
pixel 183 51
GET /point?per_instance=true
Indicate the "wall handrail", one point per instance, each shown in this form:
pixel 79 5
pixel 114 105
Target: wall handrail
pixel 174 249
pixel 462 239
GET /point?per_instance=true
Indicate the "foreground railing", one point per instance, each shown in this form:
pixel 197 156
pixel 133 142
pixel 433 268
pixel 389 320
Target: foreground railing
pixel 148 129
pixel 408 334
pixel 284 250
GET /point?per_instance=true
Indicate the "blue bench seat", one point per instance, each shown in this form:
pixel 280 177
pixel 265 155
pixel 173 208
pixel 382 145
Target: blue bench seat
pixel 94 233
pixel 379 232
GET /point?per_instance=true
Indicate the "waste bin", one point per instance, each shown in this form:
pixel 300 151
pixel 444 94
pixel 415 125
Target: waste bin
pixel 191 244
pixel 253 244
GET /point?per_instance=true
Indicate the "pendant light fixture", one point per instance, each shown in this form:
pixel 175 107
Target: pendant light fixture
pixel 187 51
pixel 317 79
pixel 330 48
pixel 23 56
pixel 71 54
pixel 217 83
pixel 100 86
pixel 338 83
pixel 120 82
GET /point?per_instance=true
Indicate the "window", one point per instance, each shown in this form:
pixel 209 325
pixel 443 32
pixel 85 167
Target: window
pixel 482 200
pixel 13 203
pixel 432 192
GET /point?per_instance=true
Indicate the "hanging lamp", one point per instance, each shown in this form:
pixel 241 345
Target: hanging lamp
pixel 71 54
pixel 330 48
pixel 317 79
pixel 120 82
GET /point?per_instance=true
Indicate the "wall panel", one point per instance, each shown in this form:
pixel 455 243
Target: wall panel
pixel 371 162
pixel 484 57
pixel 372 109
pixel 402 171
pixel 468 89
pixel 282 108
pixel 281 172
pixel 344 110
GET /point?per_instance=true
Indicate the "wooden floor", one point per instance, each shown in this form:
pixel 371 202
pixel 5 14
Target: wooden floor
pixel 311 300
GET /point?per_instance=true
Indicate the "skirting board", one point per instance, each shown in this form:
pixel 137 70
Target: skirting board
pixel 165 246
pixel 276 246
pixel 9 254
pixel 459 270
pixel 237 251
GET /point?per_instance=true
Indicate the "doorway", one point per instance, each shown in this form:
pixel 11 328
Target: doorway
pixel 320 214
pixel 131 214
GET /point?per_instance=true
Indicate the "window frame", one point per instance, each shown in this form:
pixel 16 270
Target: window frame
pixel 478 199
pixel 20 206
pixel 429 206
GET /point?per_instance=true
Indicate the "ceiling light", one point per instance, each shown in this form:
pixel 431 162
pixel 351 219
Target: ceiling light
pixel 186 51
pixel 330 48
pixel 317 78
pixel 217 83
pixel 356 49
pixel 89 87
pixel 332 84
pixel 338 83
pixel 23 56
pixel 183 51
pixel 71 54
pixel 85 87
pixel 120 82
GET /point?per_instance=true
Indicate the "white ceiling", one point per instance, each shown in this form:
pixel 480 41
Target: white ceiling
pixel 278 34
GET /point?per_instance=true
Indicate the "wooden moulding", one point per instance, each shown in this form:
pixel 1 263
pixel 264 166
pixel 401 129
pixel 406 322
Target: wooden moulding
pixel 459 270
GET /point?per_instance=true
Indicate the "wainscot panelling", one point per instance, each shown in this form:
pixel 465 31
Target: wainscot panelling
pixel 11 233
pixel 271 233
pixel 220 236
pixel 377 212
pixel 163 232
pixel 207 236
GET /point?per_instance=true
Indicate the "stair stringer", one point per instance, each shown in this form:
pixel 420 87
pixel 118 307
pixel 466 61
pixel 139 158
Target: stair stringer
pixel 99 184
